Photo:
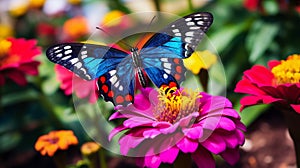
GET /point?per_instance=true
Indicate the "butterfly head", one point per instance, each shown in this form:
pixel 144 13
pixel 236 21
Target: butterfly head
pixel 134 49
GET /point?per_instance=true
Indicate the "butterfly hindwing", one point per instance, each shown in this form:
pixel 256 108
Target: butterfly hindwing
pixel 88 61
pixel 165 71
pixel 117 85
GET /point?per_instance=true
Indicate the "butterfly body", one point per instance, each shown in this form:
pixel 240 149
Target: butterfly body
pixel 160 59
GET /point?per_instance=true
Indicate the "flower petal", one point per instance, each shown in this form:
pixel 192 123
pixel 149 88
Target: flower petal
pixel 259 75
pixel 194 132
pixel 231 156
pixel 203 158
pixel 296 107
pixel 215 144
pixel 169 155
pixel 187 146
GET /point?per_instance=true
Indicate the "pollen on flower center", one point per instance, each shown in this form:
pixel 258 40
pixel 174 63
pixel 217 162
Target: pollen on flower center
pixel 175 104
pixel 288 71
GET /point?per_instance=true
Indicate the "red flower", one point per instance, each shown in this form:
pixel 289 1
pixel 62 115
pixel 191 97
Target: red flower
pixel 279 84
pixel 82 88
pixel 16 59
pixel 252 5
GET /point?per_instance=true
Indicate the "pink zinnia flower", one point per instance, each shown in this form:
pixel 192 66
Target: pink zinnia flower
pixel 161 124
pixel 17 59
pixel 71 83
pixel 279 84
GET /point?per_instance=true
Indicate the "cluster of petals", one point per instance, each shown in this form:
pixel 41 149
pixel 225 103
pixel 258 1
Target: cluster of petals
pixel 50 143
pixel 262 86
pixel 214 128
pixel 17 59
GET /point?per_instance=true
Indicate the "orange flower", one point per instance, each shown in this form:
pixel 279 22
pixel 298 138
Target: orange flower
pixel 89 148
pixel 76 27
pixel 55 140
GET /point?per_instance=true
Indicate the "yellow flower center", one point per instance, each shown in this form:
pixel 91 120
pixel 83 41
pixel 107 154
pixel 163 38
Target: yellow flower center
pixel 288 71
pixel 175 104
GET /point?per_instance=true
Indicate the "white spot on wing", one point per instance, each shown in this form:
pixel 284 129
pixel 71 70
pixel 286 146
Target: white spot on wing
pixel 177 34
pixel 78 65
pixel 164 59
pixel 117 84
pixel 194 28
pixel 83 52
pixel 74 60
pixel 165 76
pixel 57 51
pixel 200 23
pixel 112 72
pixel 66 57
pixel 190 23
pixel 67 47
pixel 113 79
pixel 190 33
pixel 175 30
pixel 68 52
pixel 168 71
pixel 55 48
pixel 83 56
pixel 188 19
pixel 59 55
pixel 167 65
pixel 188 39
pixel 121 88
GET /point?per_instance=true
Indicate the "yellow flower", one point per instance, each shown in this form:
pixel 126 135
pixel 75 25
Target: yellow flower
pixel 200 60
pixel 18 9
pixel 74 2
pixel 89 147
pixel 55 140
pixel 76 27
pixel 36 3
pixel 5 31
pixel 4 48
pixel 112 18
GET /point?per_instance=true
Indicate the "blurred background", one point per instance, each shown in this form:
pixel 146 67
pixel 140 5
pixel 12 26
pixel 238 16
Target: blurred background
pixel 36 95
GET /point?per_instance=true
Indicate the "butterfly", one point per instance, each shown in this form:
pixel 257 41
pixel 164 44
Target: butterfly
pixel 160 59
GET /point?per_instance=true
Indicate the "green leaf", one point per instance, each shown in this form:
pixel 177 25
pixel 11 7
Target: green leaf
pixel 250 114
pixel 9 140
pixel 17 97
pixel 222 38
pixel 260 38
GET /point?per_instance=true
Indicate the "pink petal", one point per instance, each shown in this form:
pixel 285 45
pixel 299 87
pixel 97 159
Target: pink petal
pixel 187 146
pixel 231 155
pixel 226 124
pixel 296 107
pixel 128 142
pixel 194 132
pixel 203 158
pixel 152 161
pixel 215 144
pixel 169 155
pixel 137 121
pixel 115 131
pixel 151 133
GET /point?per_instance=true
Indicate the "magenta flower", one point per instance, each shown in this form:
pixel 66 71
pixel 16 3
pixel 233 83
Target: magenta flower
pixel 160 125
pixel 71 83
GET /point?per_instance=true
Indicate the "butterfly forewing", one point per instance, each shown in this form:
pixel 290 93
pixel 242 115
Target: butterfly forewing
pixel 88 61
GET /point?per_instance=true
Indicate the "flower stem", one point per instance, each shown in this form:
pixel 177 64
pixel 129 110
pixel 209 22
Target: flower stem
pixel 292 120
pixel 183 160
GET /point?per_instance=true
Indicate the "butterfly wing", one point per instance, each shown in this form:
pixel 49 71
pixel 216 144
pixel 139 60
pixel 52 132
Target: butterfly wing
pixel 165 71
pixel 163 52
pixel 180 38
pixel 111 66
pixel 118 85
pixel 88 61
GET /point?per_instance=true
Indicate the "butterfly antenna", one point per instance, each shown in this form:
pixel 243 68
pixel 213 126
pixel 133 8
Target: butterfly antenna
pixel 146 30
pixel 121 41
